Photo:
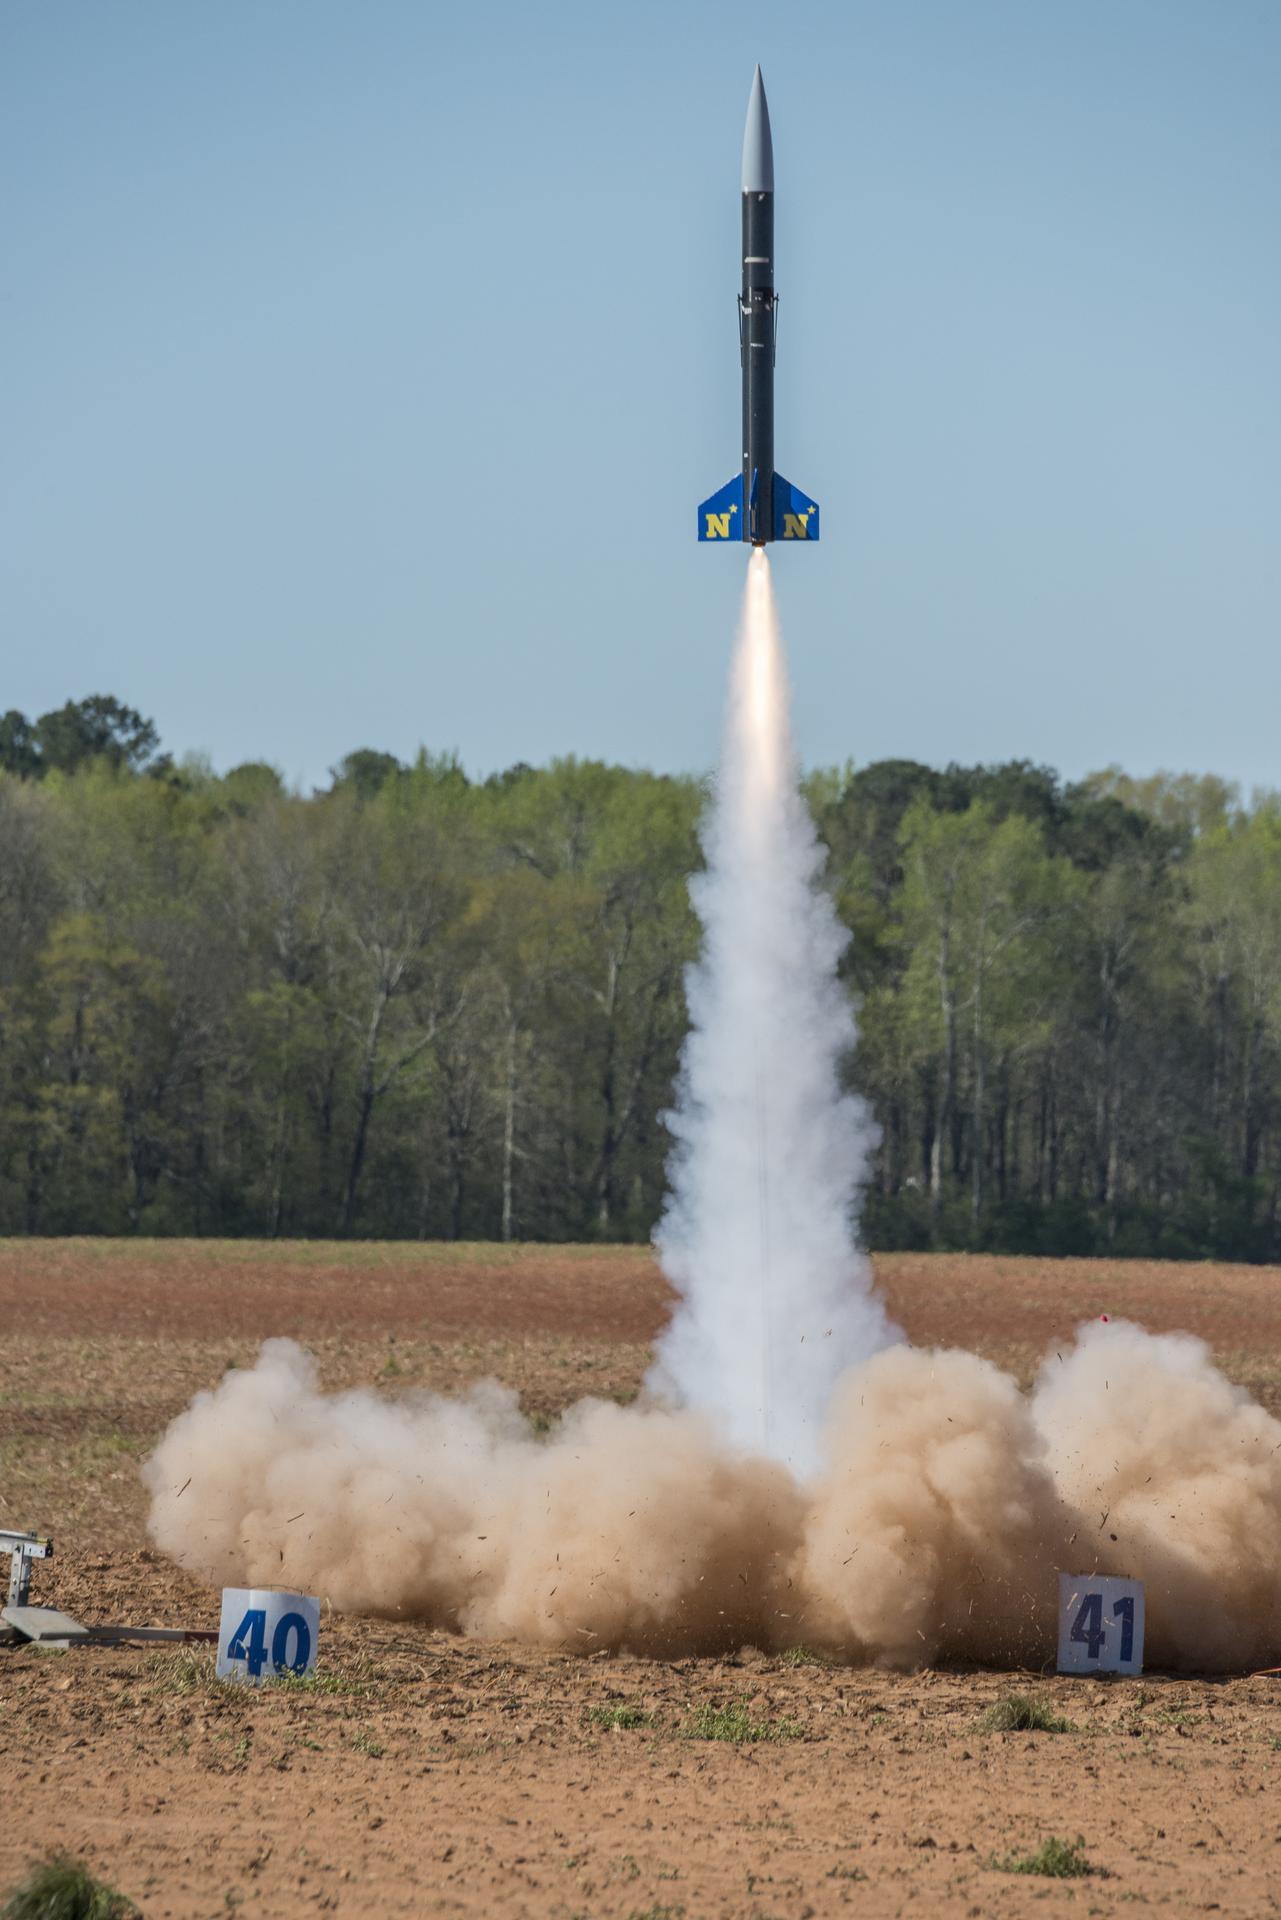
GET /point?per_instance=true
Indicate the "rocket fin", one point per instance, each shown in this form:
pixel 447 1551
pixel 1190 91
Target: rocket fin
pixel 721 517
pixel 795 514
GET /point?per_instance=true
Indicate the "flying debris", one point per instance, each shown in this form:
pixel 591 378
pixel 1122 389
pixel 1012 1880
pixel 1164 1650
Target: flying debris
pixel 758 505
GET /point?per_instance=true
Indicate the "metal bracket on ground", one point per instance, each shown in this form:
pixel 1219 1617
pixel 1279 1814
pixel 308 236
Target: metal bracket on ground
pixel 47 1627
pixel 22 1549
pixel 26 1625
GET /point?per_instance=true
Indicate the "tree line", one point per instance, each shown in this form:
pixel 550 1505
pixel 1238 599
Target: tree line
pixel 412 1004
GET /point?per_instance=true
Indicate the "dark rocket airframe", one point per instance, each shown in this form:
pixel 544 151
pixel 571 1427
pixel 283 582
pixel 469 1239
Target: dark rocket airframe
pixel 758 505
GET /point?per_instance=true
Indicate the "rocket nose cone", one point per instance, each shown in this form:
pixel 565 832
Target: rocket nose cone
pixel 758 146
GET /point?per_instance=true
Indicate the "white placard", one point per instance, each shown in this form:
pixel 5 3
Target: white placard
pixel 1100 1624
pixel 263 1634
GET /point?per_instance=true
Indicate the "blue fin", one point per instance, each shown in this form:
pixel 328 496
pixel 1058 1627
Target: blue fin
pixel 795 514
pixel 721 517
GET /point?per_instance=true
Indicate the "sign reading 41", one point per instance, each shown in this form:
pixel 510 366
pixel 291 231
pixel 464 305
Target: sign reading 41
pixel 1100 1624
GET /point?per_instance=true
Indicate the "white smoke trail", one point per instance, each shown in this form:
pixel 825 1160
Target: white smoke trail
pixel 758 1236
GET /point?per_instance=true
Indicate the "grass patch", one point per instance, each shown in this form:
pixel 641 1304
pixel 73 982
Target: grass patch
pixel 623 1717
pixel 186 1670
pixel 736 1723
pixel 803 1657
pixel 64 1889
pixel 365 1743
pixel 1176 1717
pixel 96 1454
pixel 657 1912
pixel 1024 1713
pixel 360 1678
pixel 1054 1859
pixel 194 1670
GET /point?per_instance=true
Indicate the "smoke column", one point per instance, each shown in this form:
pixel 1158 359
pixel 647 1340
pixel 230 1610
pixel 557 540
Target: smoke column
pixel 758 1236
pixel 916 1508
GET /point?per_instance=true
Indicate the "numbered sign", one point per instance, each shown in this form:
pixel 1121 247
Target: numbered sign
pixel 263 1635
pixel 1100 1624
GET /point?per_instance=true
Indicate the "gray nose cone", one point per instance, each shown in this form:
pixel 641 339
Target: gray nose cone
pixel 758 147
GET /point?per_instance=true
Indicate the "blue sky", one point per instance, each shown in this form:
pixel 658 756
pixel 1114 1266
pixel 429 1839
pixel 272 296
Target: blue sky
pixel 364 364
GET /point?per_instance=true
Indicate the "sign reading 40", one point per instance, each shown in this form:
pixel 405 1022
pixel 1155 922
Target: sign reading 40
pixel 263 1635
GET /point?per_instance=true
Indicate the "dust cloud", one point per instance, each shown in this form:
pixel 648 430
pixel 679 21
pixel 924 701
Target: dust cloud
pixel 794 1474
pixel 946 1503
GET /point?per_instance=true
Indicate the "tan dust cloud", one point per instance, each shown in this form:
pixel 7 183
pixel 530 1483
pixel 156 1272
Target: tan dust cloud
pixel 936 1528
pixel 948 1503
pixel 1175 1475
pixel 623 1527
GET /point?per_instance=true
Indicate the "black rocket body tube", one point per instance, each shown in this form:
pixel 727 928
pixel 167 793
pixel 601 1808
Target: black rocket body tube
pixel 758 332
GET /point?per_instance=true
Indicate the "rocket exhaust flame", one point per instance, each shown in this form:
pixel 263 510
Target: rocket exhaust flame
pixel 917 1507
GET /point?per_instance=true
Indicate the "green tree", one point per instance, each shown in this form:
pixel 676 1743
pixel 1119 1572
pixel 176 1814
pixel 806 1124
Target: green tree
pixel 18 751
pixel 398 881
pixel 98 728
pixel 1234 910
pixel 980 902
pixel 366 772
pixel 101 1122
pixel 626 845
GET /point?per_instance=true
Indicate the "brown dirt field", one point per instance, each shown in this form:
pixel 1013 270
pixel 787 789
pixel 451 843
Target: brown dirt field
pixel 424 1775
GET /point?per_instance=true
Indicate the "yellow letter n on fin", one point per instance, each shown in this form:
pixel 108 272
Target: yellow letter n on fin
pixel 718 526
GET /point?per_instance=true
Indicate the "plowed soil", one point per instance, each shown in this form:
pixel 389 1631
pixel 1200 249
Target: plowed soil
pixel 421 1774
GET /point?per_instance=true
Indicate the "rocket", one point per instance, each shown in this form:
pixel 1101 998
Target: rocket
pixel 758 505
